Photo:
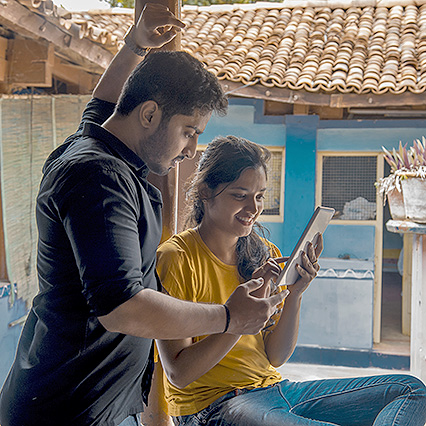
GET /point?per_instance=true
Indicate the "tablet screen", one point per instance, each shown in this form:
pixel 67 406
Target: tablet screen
pixel 317 225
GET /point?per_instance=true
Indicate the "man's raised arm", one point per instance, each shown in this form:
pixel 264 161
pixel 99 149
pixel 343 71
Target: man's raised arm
pixel 155 26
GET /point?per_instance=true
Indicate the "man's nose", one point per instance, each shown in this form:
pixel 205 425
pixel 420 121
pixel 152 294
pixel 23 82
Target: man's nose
pixel 191 148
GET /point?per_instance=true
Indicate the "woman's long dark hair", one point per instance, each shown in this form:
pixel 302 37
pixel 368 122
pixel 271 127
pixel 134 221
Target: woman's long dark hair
pixel 223 161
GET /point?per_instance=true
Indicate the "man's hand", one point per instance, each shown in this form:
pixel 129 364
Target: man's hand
pixel 268 271
pixel 249 313
pixel 156 26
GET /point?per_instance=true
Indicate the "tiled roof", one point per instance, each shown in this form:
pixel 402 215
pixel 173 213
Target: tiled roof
pixel 364 47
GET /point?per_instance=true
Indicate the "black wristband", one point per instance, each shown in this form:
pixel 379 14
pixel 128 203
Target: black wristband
pixel 228 319
pixel 128 40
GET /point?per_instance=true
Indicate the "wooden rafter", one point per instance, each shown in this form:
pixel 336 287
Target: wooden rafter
pixel 29 24
pixel 338 100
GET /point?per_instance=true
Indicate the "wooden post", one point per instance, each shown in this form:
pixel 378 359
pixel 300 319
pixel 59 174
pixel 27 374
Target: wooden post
pixel 418 293
pixel 406 284
pixel 166 184
pixel 154 414
pixel 418 312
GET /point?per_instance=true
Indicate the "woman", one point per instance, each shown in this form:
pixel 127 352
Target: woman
pixel 226 379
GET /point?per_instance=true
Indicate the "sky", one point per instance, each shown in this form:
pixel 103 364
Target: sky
pixel 81 4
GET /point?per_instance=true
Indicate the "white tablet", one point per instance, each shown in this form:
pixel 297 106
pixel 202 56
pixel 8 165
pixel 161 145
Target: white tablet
pixel 317 225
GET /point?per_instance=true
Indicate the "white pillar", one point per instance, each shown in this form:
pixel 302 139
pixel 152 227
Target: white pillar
pixel 418 308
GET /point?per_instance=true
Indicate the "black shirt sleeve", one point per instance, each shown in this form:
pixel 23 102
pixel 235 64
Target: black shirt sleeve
pixel 100 216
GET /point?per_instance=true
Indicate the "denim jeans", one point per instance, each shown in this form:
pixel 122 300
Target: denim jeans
pixel 391 400
pixel 130 421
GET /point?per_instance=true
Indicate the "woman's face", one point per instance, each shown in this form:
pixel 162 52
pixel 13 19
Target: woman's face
pixel 237 205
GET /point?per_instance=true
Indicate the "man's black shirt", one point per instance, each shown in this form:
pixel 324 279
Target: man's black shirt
pixel 99 224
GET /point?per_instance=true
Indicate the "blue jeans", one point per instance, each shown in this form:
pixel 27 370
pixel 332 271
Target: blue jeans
pixel 392 400
pixel 130 421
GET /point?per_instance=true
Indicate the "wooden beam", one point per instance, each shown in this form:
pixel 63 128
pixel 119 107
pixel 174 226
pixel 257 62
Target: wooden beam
pixel 4 65
pixel 300 109
pixel 31 63
pixel 82 80
pixel 21 20
pixel 336 100
pixel 327 113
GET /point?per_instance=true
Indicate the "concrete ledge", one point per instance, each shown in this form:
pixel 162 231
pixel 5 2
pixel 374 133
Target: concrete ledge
pixel 349 357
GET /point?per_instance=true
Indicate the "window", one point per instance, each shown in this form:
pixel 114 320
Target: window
pixel 274 197
pixel 347 185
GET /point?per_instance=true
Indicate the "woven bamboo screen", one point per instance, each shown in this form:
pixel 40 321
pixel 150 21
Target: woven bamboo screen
pixel 31 127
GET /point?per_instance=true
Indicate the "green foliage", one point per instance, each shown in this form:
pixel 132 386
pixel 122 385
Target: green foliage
pixel 131 3
pixel 121 3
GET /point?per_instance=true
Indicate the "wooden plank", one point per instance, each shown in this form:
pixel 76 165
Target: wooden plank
pixel 31 63
pixel 300 109
pixel 321 99
pixel 4 68
pixel 327 113
pixel 3 47
pixel 19 19
pixel 82 80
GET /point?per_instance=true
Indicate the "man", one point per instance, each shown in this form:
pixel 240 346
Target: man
pixel 85 355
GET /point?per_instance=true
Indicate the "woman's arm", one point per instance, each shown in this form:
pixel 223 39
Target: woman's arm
pixel 281 341
pixel 184 361
pixel 155 413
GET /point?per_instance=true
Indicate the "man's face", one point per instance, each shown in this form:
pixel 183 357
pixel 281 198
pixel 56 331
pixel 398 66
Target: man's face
pixel 173 142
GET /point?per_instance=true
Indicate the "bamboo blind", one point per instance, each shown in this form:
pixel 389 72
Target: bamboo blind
pixel 31 127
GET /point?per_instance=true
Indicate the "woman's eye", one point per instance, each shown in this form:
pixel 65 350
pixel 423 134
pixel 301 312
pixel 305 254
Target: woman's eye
pixel 190 135
pixel 261 197
pixel 239 196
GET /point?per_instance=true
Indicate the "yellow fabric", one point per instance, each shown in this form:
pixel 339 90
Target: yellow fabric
pixel 190 271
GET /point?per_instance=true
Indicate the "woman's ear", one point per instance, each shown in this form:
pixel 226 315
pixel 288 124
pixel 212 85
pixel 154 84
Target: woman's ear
pixel 205 192
pixel 149 114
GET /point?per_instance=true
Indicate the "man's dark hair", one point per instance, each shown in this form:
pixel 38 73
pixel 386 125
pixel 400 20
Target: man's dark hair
pixel 177 82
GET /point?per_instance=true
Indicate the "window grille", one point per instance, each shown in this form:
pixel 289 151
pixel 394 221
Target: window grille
pixel 274 191
pixel 348 186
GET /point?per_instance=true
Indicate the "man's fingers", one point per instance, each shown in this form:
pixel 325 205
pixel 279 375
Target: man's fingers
pixel 253 285
pixel 281 259
pixel 163 18
pixel 167 36
pixel 277 298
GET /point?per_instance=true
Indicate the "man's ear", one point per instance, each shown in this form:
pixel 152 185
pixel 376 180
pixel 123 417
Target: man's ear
pixel 149 114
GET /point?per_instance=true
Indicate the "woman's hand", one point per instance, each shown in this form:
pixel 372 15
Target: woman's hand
pixel 268 271
pixel 309 268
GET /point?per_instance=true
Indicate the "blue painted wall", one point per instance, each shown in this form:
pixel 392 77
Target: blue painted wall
pixel 245 118
pixel 9 336
pixel 367 135
pixel 300 166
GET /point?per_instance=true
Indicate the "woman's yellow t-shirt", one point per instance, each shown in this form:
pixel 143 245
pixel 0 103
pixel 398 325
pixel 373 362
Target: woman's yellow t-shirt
pixel 190 271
